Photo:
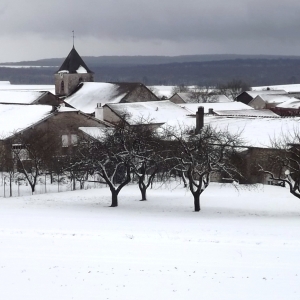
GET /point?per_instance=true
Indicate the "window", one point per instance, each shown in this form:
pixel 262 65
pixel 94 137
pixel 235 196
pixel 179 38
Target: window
pixel 74 139
pixel 65 140
pixel 18 146
pixel 69 140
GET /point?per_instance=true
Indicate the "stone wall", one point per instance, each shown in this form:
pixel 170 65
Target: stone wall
pixel 66 83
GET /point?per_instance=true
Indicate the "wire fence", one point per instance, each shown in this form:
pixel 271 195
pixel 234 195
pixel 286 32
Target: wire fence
pixel 17 186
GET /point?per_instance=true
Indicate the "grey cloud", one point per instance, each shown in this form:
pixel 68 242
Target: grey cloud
pixel 230 25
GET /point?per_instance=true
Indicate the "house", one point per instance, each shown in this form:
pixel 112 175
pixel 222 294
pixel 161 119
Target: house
pixel 90 94
pixel 180 98
pixel 290 88
pixel 290 107
pixel 209 107
pixel 258 137
pixel 154 113
pixel 265 113
pixel 247 96
pixel 267 101
pixel 7 86
pixel 62 123
pixel 28 97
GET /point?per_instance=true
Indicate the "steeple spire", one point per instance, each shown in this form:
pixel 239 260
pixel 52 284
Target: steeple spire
pixel 73 35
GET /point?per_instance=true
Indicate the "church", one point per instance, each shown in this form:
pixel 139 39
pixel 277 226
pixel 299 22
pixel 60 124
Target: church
pixel 74 84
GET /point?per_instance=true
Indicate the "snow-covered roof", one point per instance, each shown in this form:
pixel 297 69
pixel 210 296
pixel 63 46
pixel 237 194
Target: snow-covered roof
pixel 162 90
pixel 28 87
pixel 222 99
pixel 94 132
pixel 290 103
pixel 255 132
pixel 92 93
pixel 153 112
pixel 193 107
pixel 253 94
pixel 290 88
pixel 66 109
pixel 247 113
pixel 14 118
pixel 272 98
pixel 187 97
pixel 20 96
pixel 81 70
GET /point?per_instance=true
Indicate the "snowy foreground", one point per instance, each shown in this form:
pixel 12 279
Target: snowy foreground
pixel 242 245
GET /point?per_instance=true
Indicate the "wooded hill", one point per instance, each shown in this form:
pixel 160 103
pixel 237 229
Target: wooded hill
pixel 163 70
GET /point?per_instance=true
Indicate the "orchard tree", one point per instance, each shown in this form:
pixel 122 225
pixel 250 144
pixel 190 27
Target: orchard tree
pixel 106 157
pixel 32 152
pixel 200 156
pixel 147 155
pixel 284 165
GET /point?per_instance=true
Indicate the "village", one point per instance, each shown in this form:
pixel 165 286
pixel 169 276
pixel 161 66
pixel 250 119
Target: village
pixel 76 107
pixel 60 236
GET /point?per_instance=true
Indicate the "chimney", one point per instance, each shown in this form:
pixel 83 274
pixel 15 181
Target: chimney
pixel 199 119
pixel 211 111
pixel 99 112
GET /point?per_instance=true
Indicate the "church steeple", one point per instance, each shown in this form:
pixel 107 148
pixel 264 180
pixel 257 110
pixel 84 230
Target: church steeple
pixel 71 73
pixel 74 64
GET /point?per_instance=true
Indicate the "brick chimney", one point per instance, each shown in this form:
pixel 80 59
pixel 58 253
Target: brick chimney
pixel 199 119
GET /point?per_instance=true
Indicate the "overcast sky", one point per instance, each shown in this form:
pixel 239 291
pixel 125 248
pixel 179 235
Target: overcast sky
pixel 35 29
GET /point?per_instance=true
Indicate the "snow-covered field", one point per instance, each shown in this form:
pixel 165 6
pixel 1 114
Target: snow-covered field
pixel 242 245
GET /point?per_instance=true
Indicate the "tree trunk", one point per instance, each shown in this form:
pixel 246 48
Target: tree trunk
pixel 196 201
pixel 10 186
pixel 114 199
pixel 143 190
pixel 32 188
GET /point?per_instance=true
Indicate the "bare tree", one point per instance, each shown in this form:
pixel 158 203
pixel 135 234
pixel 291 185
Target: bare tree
pixel 32 153
pixel 105 157
pixel 180 89
pixel 203 94
pixel 284 165
pixel 233 88
pixel 146 151
pixel 201 156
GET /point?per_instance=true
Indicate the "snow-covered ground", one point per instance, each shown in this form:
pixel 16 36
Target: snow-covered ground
pixel 242 245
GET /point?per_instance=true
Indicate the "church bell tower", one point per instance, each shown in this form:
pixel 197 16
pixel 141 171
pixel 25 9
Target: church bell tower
pixel 72 72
